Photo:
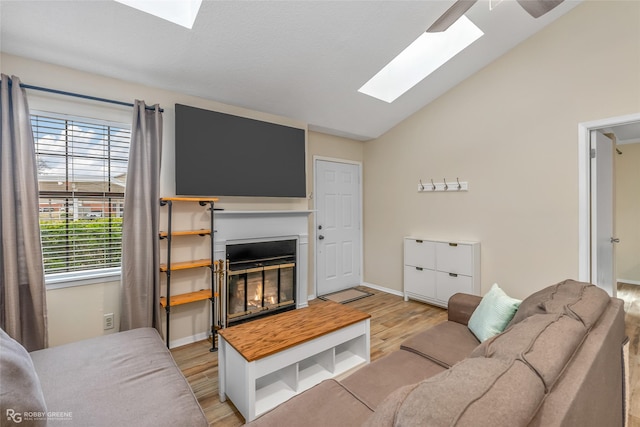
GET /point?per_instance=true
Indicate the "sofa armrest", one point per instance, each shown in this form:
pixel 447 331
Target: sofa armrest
pixel 461 307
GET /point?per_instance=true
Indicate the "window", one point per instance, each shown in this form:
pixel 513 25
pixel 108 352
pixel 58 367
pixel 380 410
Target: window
pixel 82 171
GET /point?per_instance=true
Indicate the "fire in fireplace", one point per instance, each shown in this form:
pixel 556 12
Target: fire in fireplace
pixel 261 279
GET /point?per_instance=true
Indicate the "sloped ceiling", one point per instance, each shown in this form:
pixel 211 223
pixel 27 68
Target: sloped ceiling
pixel 300 59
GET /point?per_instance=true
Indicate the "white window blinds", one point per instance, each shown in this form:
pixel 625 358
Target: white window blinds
pixel 82 168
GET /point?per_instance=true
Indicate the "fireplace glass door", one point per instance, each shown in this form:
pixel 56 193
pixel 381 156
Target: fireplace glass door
pixel 261 279
pixel 237 286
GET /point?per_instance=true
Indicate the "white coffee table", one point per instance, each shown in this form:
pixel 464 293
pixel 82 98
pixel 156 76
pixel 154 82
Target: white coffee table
pixel 266 362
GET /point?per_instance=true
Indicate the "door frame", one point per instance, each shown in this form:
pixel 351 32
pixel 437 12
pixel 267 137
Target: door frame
pixel 585 269
pixel 314 234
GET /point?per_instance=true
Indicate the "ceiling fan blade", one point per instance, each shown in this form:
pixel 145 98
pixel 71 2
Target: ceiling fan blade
pixel 537 8
pixel 452 14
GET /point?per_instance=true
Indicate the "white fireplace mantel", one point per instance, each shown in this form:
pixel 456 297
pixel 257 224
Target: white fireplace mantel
pixel 232 227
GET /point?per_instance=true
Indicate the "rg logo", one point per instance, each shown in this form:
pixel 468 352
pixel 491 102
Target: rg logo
pixel 14 416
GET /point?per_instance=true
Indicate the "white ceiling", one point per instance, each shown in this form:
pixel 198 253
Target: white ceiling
pixel 300 59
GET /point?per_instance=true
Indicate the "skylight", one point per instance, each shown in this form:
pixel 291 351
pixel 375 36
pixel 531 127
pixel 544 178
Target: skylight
pixel 181 12
pixel 422 57
pixel 494 3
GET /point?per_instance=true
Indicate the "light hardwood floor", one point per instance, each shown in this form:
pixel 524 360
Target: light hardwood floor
pixel 392 321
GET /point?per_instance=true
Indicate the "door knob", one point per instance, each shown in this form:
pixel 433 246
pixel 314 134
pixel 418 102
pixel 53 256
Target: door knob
pixel 615 240
pixel 321 237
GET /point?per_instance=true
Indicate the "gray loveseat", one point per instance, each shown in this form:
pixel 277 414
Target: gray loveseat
pixel 124 379
pixel 558 363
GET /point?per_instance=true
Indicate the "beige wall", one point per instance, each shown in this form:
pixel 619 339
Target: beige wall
pixel 77 312
pixel 321 144
pixel 511 132
pixel 628 213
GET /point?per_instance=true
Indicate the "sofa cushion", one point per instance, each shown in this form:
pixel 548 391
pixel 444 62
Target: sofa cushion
pixel 126 378
pixel 475 392
pixel 325 404
pixel 374 382
pixel 493 313
pixel 446 343
pixel 583 301
pixel 587 309
pixel 21 399
pixel 544 342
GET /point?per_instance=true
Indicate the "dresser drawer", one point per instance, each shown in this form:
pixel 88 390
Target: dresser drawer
pixel 454 258
pixel 420 281
pixel 419 253
pixel 448 284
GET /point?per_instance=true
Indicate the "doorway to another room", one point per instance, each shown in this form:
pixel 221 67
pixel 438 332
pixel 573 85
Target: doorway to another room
pixel 609 239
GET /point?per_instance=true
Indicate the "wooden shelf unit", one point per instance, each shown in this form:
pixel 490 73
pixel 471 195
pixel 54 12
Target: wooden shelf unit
pixel 170 300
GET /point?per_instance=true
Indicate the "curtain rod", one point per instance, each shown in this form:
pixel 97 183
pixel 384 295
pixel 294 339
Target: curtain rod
pixel 79 95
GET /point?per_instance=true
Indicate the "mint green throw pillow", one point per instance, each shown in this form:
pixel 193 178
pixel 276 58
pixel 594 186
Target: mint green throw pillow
pixel 493 314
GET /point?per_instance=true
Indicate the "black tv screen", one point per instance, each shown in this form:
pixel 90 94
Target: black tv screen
pixel 220 154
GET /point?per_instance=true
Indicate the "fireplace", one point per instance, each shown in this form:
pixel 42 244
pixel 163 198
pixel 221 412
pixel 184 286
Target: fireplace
pixel 234 230
pixel 261 279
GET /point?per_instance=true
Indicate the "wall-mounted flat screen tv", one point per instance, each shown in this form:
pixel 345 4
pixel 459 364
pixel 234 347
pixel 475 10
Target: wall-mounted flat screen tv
pixel 218 154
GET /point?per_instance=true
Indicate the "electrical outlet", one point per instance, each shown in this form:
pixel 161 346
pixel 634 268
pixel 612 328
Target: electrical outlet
pixel 108 321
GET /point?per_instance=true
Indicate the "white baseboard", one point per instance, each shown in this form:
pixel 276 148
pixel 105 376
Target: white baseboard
pixel 189 340
pixel 383 289
pixel 631 282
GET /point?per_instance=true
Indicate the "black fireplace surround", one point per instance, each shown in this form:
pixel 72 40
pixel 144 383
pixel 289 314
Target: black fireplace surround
pixel 261 279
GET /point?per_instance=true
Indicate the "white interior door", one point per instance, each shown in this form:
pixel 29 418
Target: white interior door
pixel 338 230
pixel 602 237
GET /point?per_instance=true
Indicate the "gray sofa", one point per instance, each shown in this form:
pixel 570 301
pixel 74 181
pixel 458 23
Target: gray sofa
pixel 558 363
pixel 124 379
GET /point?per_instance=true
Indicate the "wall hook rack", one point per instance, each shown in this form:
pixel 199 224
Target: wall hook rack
pixel 443 186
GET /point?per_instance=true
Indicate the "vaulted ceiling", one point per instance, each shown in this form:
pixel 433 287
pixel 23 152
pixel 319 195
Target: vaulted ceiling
pixel 300 59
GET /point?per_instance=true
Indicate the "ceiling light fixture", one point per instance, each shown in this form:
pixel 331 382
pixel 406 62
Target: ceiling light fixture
pixel 181 12
pixel 422 57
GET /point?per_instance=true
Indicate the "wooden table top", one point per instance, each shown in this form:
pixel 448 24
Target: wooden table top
pixel 272 334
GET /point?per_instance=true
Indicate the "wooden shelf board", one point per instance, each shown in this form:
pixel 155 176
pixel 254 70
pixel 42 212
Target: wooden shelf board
pixel 186 233
pixel 189 199
pixel 185 265
pixel 187 298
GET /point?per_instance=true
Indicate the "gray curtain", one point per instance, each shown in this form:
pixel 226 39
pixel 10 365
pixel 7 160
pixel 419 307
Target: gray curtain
pixel 140 295
pixel 23 305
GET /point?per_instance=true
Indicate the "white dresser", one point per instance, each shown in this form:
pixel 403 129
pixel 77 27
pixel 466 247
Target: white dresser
pixel 434 270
